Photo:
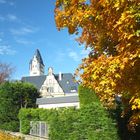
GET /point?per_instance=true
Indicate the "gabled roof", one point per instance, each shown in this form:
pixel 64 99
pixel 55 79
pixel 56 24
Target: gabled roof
pixel 67 82
pixel 37 81
pixel 58 100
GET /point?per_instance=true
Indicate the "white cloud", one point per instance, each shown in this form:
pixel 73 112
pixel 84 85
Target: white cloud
pixel 9 17
pixel 2 1
pixel 74 56
pixel 11 3
pixel 2 18
pixel 60 56
pixel 24 41
pixel 1 34
pixel 23 31
pixel 85 52
pixel 77 56
pixel 12 17
pixel 6 50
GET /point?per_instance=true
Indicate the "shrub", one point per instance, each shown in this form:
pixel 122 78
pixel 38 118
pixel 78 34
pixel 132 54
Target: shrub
pixel 10 126
pixel 13 96
pixel 86 96
pixel 90 122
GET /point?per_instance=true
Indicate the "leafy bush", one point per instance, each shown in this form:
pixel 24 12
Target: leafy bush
pixel 10 126
pixel 62 125
pixel 90 122
pixel 13 96
pixel 87 96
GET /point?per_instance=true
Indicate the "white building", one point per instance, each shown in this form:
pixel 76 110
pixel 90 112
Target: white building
pixel 57 90
pixel 36 65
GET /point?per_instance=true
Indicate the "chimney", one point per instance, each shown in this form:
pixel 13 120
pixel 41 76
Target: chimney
pixel 60 76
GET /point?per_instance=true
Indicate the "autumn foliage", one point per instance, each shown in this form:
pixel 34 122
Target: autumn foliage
pixel 6 136
pixel 111 28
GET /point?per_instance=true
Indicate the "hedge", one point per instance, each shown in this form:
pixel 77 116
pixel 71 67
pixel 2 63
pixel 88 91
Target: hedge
pixel 13 96
pixel 87 96
pixel 91 121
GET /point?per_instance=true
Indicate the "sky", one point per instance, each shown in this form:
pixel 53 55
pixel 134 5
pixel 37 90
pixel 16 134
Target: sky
pixel 27 25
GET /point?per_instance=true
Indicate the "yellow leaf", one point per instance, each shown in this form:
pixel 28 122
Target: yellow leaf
pixel 133 107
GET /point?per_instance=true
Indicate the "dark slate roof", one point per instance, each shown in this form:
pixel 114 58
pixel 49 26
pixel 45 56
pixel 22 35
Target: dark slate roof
pixel 67 83
pixel 37 81
pixel 57 100
pixel 38 56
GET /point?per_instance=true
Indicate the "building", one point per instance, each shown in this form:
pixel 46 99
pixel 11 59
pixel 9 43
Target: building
pixel 57 90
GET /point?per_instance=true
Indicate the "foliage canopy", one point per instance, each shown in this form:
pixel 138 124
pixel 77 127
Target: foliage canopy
pixel 111 28
pixel 13 96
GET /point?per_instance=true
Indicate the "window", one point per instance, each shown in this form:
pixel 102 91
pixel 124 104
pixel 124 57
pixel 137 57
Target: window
pixel 50 89
pixel 73 89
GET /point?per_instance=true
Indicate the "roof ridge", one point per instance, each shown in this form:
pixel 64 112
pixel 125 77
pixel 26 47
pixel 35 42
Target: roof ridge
pixel 63 73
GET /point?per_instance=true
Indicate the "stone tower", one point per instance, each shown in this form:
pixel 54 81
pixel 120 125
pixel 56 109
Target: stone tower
pixel 36 66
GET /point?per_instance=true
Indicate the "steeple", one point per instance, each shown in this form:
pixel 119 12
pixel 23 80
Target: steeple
pixel 36 64
pixel 38 56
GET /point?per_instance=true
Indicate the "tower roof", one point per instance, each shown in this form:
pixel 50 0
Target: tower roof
pixel 38 56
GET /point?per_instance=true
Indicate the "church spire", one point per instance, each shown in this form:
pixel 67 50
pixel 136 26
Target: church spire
pixel 36 64
pixel 38 56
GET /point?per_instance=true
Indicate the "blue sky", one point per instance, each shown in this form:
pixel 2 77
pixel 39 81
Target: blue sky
pixel 27 25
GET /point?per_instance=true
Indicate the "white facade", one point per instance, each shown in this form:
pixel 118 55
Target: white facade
pixel 51 87
pixel 59 101
pixel 61 105
pixel 57 90
pixel 36 68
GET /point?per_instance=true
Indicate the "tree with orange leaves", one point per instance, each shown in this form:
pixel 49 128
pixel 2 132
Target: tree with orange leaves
pixel 111 28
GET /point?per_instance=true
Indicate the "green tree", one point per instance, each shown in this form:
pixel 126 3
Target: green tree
pixel 13 96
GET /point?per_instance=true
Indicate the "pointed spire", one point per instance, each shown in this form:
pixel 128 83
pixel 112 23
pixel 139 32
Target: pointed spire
pixel 36 65
pixel 38 56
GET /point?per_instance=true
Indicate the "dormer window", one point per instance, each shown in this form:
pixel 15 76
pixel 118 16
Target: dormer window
pixel 73 89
